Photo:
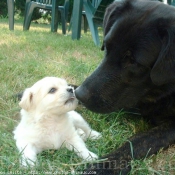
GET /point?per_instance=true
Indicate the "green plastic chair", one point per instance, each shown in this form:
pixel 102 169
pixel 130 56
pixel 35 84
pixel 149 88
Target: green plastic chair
pixel 10 6
pixel 95 4
pixel 51 5
pixel 94 15
pixel 171 2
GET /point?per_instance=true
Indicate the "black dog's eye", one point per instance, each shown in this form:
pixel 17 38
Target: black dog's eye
pixel 129 57
pixel 128 53
pixel 52 90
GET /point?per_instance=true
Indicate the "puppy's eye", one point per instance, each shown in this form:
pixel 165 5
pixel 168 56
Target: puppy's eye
pixel 52 90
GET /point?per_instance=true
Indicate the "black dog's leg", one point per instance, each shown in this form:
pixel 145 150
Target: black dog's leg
pixel 147 143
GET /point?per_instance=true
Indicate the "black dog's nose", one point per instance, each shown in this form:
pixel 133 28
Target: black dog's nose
pixel 70 90
pixel 82 94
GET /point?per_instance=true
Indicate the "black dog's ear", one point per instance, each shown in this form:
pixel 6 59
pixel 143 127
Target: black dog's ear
pixel 108 15
pixel 163 70
pixel 109 18
pixel 114 11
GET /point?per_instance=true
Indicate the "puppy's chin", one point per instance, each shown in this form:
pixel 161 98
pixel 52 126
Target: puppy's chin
pixel 71 103
pixel 70 100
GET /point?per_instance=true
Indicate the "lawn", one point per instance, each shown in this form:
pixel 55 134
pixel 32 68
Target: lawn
pixel 26 57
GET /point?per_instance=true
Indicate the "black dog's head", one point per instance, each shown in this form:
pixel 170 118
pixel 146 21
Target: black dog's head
pixel 139 61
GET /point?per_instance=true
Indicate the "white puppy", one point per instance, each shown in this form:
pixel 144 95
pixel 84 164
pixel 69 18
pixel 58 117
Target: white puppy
pixel 49 122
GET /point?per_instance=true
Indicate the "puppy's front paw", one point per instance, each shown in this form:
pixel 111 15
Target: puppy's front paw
pixel 95 135
pixel 27 163
pixel 91 156
pixel 82 134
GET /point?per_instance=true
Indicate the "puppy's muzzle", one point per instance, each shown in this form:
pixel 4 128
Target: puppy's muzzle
pixel 70 90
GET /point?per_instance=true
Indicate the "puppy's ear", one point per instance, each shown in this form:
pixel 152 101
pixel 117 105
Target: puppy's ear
pixel 27 99
pixel 163 70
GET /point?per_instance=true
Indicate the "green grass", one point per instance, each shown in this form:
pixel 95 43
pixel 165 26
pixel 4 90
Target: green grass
pixel 26 57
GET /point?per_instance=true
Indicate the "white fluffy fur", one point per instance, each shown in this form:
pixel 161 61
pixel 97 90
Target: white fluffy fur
pixel 49 122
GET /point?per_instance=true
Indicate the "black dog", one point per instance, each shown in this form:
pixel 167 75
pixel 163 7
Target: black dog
pixel 138 70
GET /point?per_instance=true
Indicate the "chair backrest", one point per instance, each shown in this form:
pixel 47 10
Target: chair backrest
pixel 100 10
pixel 95 3
pixel 49 2
pixel 171 2
pixel 44 1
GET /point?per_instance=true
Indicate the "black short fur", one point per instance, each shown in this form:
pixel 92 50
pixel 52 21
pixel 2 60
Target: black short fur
pixel 138 71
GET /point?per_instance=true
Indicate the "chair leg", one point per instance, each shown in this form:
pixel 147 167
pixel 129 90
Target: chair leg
pixel 70 25
pixel 63 21
pixel 169 2
pixel 28 15
pixel 85 23
pixel 92 25
pixel 54 21
pixel 11 13
pixel 26 7
pixel 76 22
pixel 94 31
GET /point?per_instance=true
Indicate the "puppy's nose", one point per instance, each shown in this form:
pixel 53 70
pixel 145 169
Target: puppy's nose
pixel 70 90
